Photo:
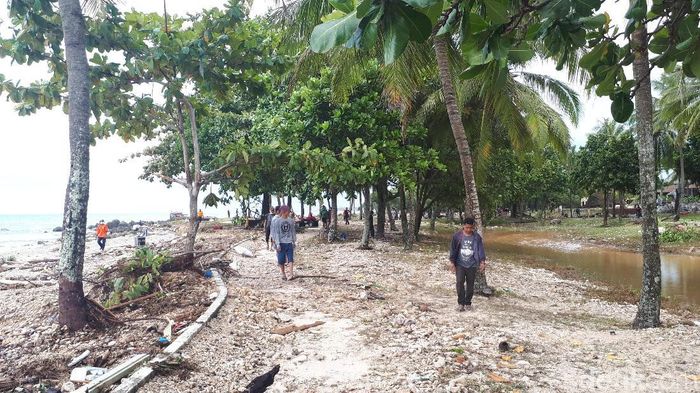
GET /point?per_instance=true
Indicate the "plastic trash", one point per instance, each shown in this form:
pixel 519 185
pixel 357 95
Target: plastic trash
pixel 163 342
pixel 243 251
pixel 86 374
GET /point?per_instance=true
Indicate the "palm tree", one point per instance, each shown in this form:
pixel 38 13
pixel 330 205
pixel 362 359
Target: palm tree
pixel 677 116
pixel 408 74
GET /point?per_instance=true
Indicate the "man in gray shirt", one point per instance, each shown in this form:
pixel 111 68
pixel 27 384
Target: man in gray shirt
pixel 466 256
pixel 284 237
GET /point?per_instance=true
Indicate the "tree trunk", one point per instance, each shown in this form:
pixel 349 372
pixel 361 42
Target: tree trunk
pixel 471 203
pixel 679 190
pixel 405 230
pixel 302 209
pixel 361 209
pixel 432 219
pixel 72 309
pixel 289 202
pixel 614 212
pixel 365 229
pixel 605 208
pixel 194 220
pixel 333 230
pixel 381 208
pixel 417 219
pixel 514 211
pixel 266 202
pixel 649 307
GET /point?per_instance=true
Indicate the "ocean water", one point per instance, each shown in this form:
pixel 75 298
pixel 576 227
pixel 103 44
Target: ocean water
pixel 27 229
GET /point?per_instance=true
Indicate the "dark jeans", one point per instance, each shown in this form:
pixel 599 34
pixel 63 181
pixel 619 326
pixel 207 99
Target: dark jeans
pixel 267 235
pixel 102 241
pixel 464 297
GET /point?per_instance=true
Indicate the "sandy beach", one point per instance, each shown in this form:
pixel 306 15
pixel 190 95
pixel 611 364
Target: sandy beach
pixel 389 325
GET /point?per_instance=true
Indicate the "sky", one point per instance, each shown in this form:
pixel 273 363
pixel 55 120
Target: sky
pixel 34 151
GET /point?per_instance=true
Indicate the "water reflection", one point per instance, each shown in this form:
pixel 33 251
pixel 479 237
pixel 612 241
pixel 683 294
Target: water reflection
pixel 680 274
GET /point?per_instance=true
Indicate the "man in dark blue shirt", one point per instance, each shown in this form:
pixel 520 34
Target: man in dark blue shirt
pixel 466 255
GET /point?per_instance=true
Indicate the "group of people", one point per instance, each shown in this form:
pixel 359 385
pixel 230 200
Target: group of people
pixel 467 255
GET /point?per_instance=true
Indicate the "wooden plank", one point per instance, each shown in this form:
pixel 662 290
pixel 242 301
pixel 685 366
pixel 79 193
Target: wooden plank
pixel 135 381
pixel 115 374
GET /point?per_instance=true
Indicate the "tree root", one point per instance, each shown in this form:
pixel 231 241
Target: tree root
pixel 99 317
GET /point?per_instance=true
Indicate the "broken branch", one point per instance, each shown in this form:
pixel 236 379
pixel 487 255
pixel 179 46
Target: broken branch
pixel 283 330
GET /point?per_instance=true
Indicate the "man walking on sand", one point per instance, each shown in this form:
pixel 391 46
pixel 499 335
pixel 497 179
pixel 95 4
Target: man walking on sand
pixel 466 254
pixel 284 236
pixel 102 230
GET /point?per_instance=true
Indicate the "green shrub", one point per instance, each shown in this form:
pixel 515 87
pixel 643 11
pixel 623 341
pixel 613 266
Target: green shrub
pixel 141 274
pixel 679 236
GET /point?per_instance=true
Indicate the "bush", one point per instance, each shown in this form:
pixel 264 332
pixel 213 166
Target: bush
pixel 141 274
pixel 679 236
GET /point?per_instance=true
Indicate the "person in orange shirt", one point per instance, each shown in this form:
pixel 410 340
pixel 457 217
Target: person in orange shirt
pixel 200 215
pixel 102 231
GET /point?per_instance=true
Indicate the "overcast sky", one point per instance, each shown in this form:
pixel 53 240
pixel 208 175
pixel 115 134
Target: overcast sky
pixel 34 159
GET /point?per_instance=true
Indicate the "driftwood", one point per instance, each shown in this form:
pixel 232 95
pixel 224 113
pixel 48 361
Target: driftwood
pixel 282 330
pixel 138 299
pixel 43 260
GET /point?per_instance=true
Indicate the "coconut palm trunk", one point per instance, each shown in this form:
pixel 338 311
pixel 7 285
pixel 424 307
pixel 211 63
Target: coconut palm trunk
pixel 649 306
pixel 72 308
pixel 471 202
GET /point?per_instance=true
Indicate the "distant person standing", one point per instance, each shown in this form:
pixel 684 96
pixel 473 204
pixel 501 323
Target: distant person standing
pixel 200 215
pixel 325 215
pixel 268 224
pixel 466 254
pixel 346 216
pixel 102 230
pixel 284 236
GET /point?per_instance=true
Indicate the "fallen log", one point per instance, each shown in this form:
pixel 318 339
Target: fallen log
pixel 283 330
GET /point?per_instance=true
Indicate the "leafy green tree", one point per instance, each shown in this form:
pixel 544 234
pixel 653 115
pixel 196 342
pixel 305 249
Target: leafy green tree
pixel 38 25
pixel 608 161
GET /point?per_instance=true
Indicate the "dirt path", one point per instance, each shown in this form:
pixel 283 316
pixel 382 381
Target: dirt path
pixel 390 326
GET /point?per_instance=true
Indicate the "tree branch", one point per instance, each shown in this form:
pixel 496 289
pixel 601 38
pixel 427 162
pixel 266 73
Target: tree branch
pixel 171 179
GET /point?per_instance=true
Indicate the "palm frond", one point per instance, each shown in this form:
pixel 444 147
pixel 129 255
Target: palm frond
pixel 559 93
